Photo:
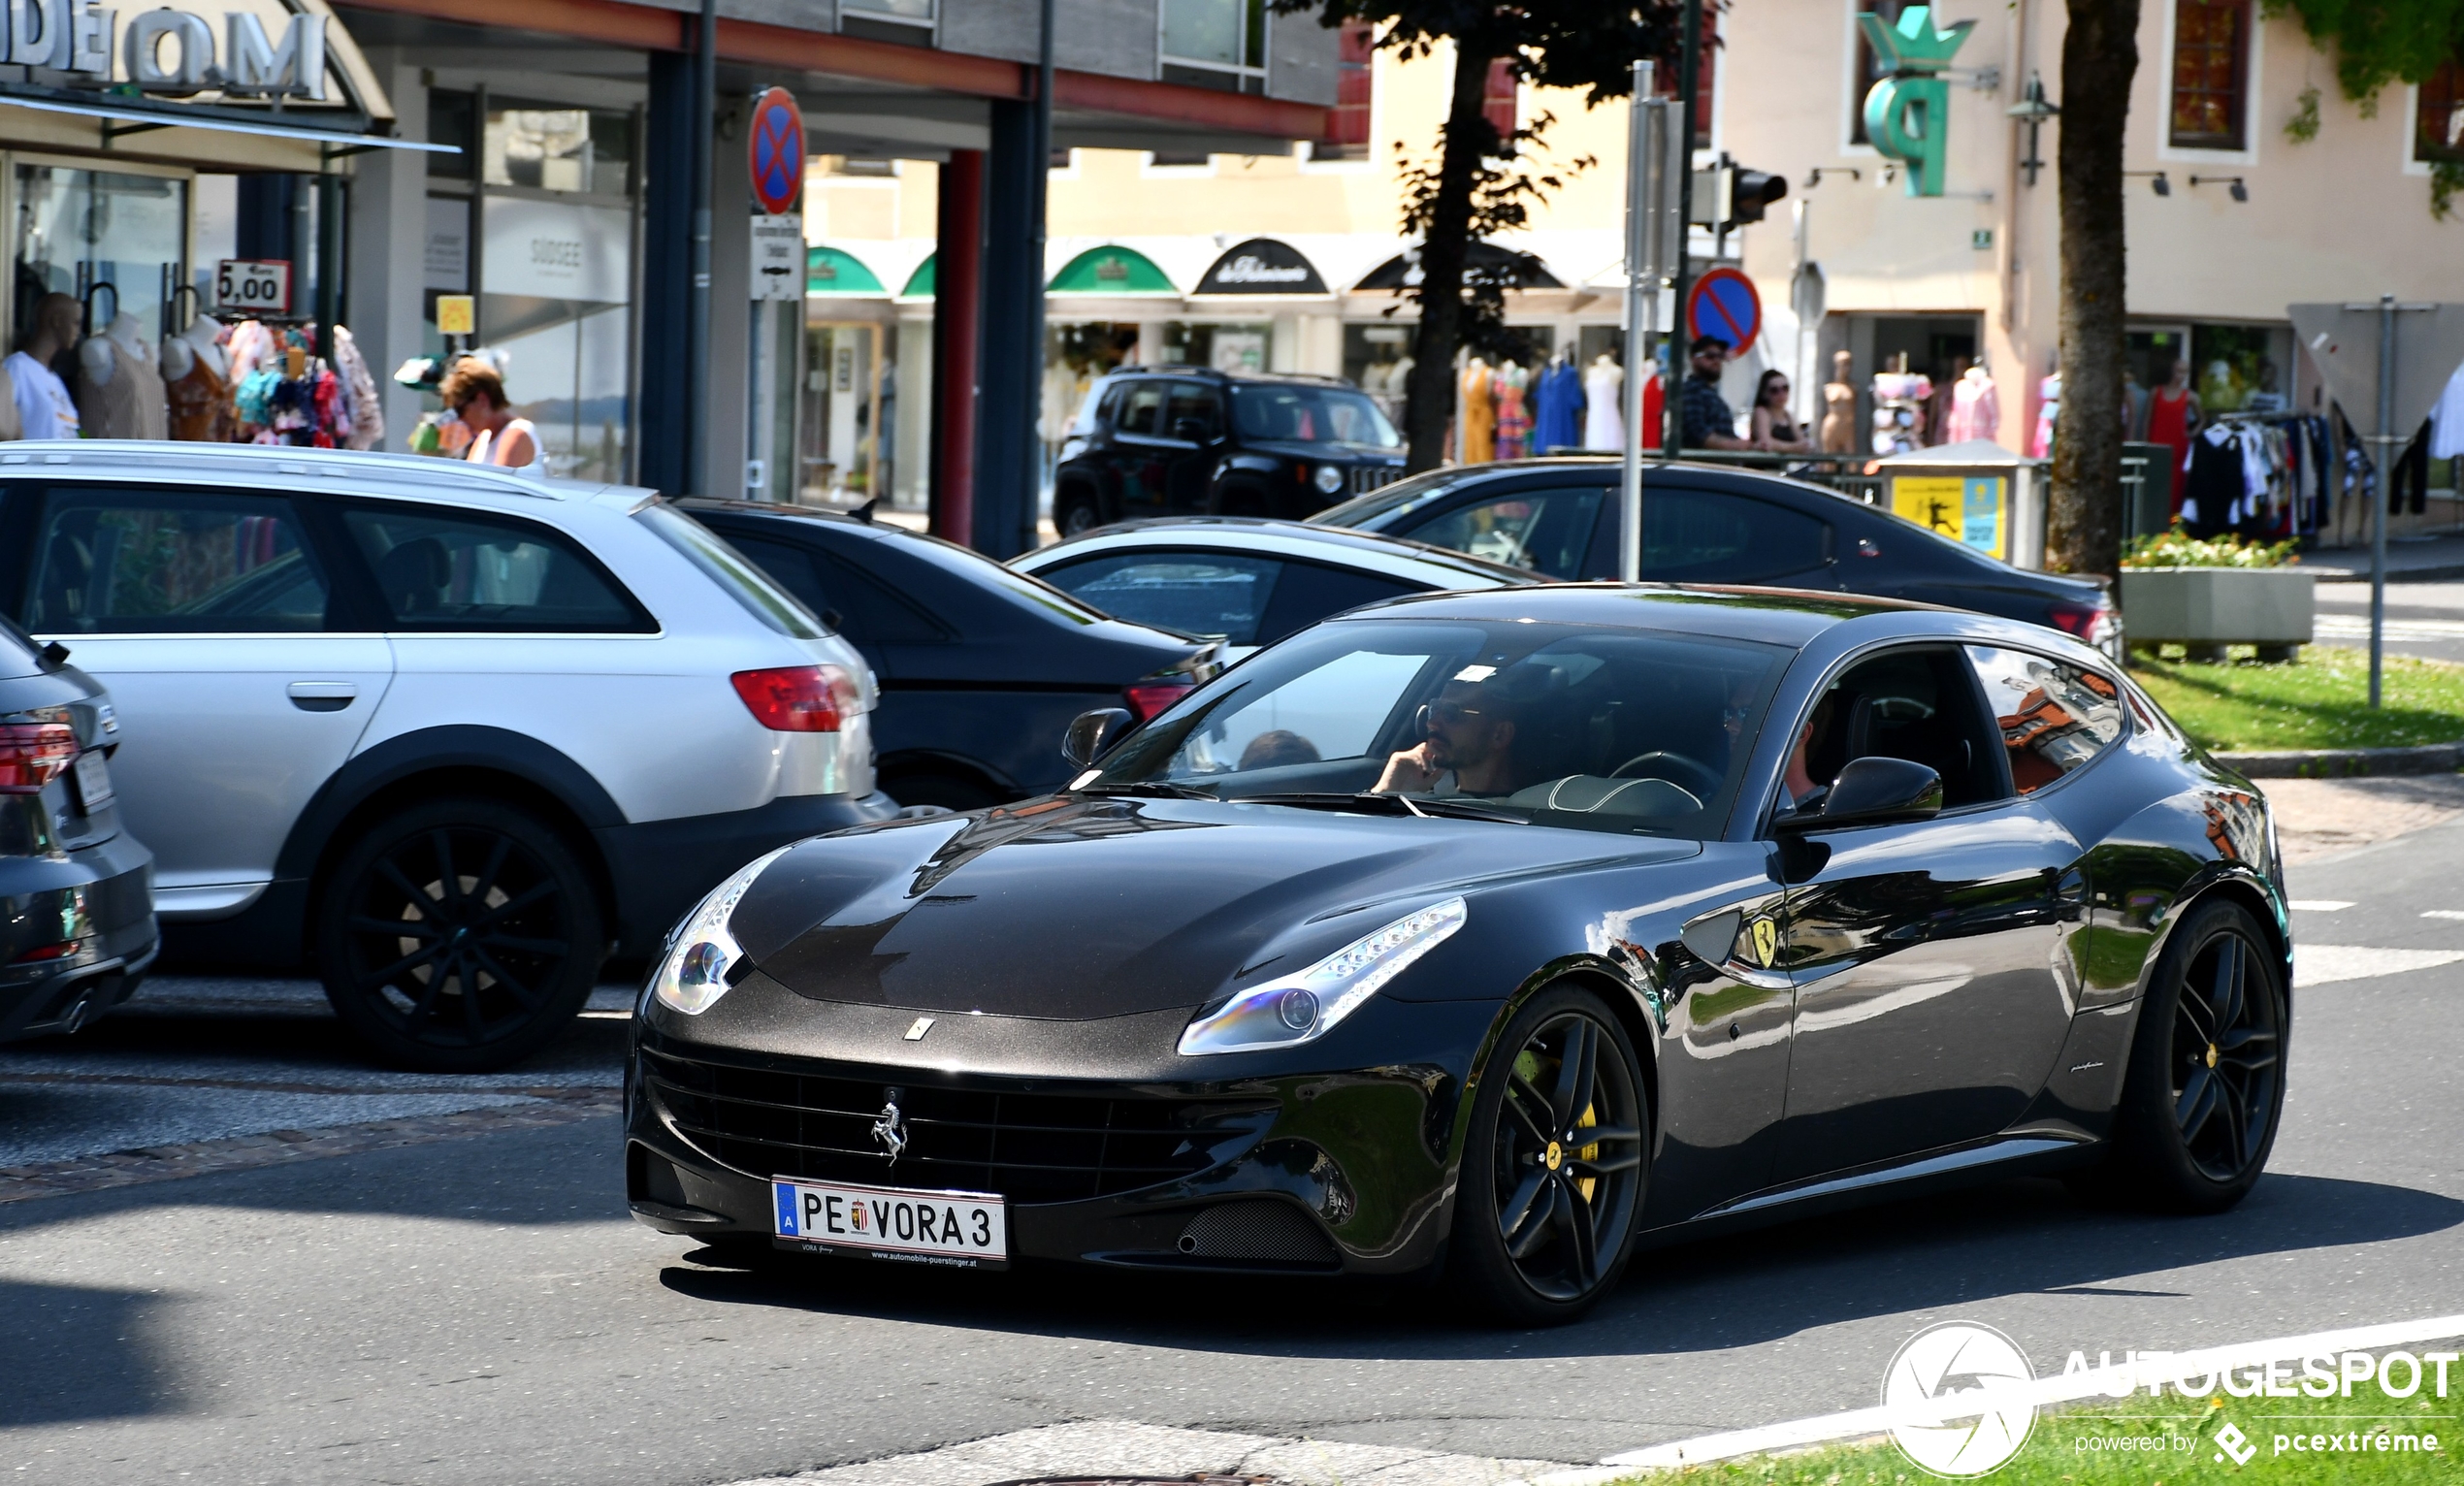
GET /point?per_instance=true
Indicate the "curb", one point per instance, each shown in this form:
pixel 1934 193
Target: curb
pixel 2345 762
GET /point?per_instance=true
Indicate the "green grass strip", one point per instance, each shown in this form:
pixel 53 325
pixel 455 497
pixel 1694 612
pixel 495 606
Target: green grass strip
pixel 2320 701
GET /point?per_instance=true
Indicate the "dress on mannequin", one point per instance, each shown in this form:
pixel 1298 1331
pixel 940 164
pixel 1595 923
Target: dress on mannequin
pixel 1478 414
pixel 1976 408
pixel 119 394
pixel 197 384
pixel 2048 411
pixel 2173 419
pixel 1603 416
pixel 1558 408
pixel 1513 419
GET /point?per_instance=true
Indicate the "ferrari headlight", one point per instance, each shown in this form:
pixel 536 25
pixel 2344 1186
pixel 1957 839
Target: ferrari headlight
pixel 693 974
pixel 1301 1008
pixel 1329 478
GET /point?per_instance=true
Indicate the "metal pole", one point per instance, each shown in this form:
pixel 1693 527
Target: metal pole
pixel 706 108
pixel 1040 170
pixel 2386 488
pixel 1639 199
pixel 1681 252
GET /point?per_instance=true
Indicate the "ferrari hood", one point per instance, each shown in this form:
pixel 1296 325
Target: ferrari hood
pixel 1087 908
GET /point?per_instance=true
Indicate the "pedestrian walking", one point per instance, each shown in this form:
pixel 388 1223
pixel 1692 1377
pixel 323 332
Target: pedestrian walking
pixel 477 394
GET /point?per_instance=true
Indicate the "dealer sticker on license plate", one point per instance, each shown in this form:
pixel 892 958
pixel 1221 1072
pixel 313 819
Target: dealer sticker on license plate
pixel 967 1229
pixel 93 781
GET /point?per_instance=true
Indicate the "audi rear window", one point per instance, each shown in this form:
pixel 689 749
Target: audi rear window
pixel 739 577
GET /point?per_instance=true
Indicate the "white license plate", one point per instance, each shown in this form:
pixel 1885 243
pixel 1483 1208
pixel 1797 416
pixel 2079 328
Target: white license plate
pixel 93 778
pixel 967 1229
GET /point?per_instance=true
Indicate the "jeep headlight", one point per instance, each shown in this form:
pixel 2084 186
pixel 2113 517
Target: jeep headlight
pixel 693 975
pixel 1297 1009
pixel 1330 479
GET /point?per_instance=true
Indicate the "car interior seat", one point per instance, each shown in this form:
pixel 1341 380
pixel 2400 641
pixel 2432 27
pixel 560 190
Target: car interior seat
pixel 412 577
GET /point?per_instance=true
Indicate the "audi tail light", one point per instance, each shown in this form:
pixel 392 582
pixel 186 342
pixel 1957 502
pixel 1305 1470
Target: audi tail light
pixel 2093 623
pixel 1146 698
pixel 799 698
pixel 34 754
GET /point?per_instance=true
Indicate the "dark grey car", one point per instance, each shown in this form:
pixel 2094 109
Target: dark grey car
pixel 77 908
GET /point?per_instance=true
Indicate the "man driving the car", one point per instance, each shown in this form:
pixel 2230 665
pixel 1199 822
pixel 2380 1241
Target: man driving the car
pixel 1466 744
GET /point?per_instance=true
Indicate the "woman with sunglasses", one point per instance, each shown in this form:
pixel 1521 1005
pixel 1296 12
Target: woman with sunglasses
pixel 1775 428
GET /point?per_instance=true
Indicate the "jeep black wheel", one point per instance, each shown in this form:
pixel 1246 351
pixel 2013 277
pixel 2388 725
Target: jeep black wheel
pixel 459 936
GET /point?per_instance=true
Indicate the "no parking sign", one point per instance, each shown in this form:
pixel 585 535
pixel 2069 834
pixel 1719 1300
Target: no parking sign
pixel 1724 304
pixel 777 151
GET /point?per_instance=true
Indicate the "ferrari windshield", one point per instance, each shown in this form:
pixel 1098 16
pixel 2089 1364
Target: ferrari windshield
pixel 1556 725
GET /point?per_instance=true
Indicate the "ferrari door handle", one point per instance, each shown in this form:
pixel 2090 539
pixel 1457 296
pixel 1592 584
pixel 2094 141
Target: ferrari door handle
pixel 323 695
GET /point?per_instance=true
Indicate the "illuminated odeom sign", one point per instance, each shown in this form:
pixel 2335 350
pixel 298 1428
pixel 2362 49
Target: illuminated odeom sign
pixel 1908 112
pixel 240 50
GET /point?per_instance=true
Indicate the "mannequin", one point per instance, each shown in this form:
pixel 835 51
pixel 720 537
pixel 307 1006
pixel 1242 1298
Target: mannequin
pixel 2174 419
pixel 1603 418
pixel 1557 405
pixel 1513 415
pixel 45 409
pixel 1839 406
pixel 119 393
pixel 197 384
pixel 1976 407
pixel 1478 413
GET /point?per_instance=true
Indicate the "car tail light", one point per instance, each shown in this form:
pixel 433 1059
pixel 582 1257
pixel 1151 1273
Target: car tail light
pixel 2089 622
pixel 35 957
pixel 33 754
pixel 1146 698
pixel 799 698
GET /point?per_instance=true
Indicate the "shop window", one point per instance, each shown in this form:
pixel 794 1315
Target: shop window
pixel 581 150
pixel 1870 68
pixel 1356 73
pixel 1218 43
pixel 2438 119
pixel 114 240
pixel 450 122
pixel 1224 347
pixel 2211 73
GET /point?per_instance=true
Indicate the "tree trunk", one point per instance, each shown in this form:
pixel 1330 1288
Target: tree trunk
pixel 2100 55
pixel 1429 396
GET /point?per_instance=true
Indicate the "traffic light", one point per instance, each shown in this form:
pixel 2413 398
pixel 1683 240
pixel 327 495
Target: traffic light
pixel 1751 193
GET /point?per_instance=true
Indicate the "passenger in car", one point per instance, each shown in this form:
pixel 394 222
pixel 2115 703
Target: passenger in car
pixel 1805 794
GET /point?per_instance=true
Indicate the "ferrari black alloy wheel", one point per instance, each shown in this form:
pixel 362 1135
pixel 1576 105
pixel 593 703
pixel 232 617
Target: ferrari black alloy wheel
pixel 459 936
pixel 1552 1169
pixel 2206 1086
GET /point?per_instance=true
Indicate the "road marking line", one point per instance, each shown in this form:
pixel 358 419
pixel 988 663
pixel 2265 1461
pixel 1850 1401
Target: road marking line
pixel 2319 905
pixel 2442 913
pixel 2060 1388
pixel 2322 964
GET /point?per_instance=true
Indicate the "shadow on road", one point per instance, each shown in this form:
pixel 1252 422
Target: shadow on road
pixel 2012 1238
pixel 48 1334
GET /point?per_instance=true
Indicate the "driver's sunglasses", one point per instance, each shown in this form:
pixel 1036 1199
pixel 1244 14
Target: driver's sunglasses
pixel 1451 713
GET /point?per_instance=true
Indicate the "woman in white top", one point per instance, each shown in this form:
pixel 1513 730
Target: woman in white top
pixel 476 396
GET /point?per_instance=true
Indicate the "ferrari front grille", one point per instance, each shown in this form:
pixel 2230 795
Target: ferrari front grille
pixel 1026 1146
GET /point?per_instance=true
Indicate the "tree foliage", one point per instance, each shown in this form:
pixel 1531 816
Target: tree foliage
pixel 1480 179
pixel 2377 41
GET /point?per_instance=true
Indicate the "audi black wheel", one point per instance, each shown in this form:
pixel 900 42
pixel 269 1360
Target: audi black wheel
pixel 1553 1168
pixel 459 936
pixel 2206 1086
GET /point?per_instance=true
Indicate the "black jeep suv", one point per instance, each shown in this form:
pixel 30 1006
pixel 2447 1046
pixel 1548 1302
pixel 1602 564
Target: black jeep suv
pixel 1184 440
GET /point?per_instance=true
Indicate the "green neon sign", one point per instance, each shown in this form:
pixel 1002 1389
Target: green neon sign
pixel 1908 112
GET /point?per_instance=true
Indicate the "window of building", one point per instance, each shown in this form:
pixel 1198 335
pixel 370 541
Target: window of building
pixel 582 151
pixel 1497 100
pixel 908 21
pixel 1219 44
pixel 1869 65
pixel 2438 119
pixel 2211 73
pixel 1355 69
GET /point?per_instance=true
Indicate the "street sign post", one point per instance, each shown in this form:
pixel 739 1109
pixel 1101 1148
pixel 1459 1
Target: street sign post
pixel 775 149
pixel 1655 254
pixel 1725 303
pixel 2385 364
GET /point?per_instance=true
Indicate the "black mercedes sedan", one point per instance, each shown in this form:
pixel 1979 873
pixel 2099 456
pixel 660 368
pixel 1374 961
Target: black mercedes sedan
pixel 1714 523
pixel 980 668
pixel 1493 935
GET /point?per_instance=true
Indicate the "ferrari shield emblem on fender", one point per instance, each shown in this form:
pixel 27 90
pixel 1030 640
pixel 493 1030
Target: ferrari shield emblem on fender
pixel 1765 942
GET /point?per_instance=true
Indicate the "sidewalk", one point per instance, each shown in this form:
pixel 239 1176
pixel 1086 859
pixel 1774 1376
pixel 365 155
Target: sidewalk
pixel 2409 559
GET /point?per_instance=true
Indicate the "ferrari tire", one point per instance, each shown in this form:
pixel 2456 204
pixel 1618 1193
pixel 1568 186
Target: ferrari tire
pixel 1543 1225
pixel 459 936
pixel 2205 1089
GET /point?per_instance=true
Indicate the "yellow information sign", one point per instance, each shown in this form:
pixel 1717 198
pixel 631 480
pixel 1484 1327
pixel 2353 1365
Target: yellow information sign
pixel 1972 510
pixel 457 314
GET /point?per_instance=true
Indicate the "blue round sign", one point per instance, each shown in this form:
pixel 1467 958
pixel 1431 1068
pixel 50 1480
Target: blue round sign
pixel 1725 304
pixel 777 151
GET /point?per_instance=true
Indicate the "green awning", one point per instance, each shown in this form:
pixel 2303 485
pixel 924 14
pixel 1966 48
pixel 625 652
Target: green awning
pixel 827 271
pixel 1111 269
pixel 919 282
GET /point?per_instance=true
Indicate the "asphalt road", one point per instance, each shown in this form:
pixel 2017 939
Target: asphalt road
pixel 474 1305
pixel 2423 619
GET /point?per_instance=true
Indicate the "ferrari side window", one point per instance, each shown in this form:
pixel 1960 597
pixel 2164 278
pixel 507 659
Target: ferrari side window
pixel 2053 716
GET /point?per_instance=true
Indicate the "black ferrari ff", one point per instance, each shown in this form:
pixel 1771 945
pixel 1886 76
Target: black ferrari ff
pixel 1489 936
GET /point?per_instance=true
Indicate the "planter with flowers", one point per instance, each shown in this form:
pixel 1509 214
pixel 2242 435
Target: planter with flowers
pixel 2207 594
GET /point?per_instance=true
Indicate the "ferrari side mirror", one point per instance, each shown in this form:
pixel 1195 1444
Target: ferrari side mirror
pixel 1873 792
pixel 1091 733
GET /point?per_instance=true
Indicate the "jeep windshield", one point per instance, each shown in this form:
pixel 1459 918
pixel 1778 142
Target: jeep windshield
pixel 1280 412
